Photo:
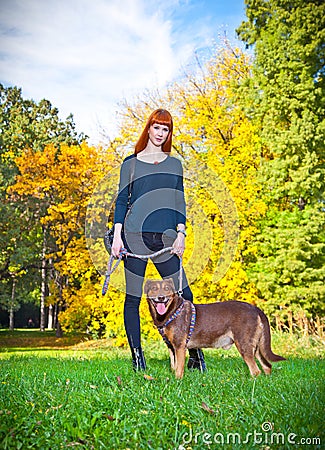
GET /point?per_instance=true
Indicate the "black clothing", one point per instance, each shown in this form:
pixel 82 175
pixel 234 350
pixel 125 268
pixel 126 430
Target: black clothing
pixel 157 207
pixel 167 266
pixel 157 196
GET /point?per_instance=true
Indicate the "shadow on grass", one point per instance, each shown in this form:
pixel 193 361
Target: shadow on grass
pixel 32 339
pixel 29 341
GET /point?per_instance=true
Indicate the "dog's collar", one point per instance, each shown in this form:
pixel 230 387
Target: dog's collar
pixel 176 314
pixel 173 317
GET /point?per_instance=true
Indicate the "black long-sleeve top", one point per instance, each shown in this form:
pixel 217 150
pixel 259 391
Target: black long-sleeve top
pixel 157 196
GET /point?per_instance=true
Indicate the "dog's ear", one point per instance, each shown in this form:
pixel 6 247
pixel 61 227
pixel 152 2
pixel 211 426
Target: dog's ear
pixel 147 286
pixel 171 283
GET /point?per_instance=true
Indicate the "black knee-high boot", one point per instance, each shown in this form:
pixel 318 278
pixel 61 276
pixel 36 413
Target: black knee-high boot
pixel 138 360
pixel 196 360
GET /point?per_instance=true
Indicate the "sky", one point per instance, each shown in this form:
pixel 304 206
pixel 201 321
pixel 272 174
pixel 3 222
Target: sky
pixel 86 57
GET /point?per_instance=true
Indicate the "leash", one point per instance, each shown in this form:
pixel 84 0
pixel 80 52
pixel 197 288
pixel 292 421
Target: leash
pixel 173 317
pixel 124 254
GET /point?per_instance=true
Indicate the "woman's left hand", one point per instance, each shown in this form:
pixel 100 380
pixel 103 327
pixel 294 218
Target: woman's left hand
pixel 179 245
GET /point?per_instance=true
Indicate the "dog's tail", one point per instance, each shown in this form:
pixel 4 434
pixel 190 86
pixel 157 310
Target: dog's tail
pixel 265 344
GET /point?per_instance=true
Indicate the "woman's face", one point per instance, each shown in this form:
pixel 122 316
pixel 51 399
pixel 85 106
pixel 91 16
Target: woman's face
pixel 158 134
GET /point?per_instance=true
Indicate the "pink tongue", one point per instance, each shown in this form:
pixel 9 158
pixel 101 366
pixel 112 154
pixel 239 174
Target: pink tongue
pixel 161 308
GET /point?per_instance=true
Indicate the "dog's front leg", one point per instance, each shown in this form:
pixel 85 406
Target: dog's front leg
pixel 180 355
pixel 172 358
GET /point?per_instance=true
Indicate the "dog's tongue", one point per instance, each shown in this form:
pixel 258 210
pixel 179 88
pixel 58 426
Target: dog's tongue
pixel 161 308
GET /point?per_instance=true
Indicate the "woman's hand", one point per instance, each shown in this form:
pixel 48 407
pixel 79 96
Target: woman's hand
pixel 117 244
pixel 179 245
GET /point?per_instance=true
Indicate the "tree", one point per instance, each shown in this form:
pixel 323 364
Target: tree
pixel 25 124
pixel 19 257
pixel 225 162
pixel 61 180
pixel 286 98
pixel 216 144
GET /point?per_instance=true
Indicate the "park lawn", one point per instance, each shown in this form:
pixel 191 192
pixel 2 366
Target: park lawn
pixel 84 394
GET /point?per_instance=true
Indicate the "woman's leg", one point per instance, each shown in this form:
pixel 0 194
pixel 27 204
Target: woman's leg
pixel 134 269
pixel 134 275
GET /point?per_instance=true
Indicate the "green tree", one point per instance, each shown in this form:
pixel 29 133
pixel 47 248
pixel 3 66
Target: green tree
pixel 286 98
pixel 28 124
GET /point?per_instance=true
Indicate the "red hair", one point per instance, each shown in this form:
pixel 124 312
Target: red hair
pixel 162 117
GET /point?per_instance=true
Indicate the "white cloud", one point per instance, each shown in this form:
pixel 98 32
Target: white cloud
pixel 86 56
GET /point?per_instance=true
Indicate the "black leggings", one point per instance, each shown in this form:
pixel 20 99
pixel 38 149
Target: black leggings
pixel 168 266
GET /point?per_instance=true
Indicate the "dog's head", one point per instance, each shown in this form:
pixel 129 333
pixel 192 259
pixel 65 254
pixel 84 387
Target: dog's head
pixel 160 294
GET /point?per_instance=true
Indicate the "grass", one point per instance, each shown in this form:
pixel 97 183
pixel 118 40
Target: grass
pixel 73 393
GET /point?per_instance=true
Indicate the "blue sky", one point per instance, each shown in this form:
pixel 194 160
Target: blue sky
pixel 86 56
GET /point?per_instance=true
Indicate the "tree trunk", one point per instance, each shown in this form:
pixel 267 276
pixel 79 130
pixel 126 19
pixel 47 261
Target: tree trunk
pixel 50 318
pixel 11 309
pixel 11 319
pixel 43 283
pixel 59 331
pixel 301 203
pixel 55 315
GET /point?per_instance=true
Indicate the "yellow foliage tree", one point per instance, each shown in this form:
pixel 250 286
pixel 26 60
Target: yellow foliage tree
pixel 61 182
pixel 218 146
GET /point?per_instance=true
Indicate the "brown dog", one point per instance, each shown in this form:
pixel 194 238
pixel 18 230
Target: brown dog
pixel 217 325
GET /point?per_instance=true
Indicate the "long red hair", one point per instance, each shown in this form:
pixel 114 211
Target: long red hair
pixel 162 117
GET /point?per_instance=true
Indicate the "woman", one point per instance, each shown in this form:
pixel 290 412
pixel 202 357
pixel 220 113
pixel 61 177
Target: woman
pixel 152 210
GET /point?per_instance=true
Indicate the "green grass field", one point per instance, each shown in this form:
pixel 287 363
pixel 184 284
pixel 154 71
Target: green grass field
pixel 70 393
